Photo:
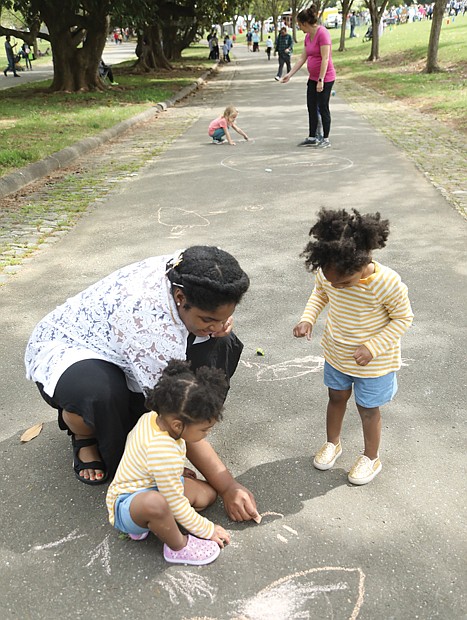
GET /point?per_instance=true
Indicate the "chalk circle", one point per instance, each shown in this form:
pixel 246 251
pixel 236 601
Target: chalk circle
pixel 330 592
pixel 294 163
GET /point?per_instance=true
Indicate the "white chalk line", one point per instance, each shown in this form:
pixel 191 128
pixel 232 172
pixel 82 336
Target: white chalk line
pixel 71 536
pixel 102 551
pixel 361 584
pixel 177 230
pixel 188 585
pixel 289 369
pixel 289 529
pixel 326 164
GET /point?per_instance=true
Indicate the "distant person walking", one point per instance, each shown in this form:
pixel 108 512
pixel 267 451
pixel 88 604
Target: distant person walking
pixel 269 46
pixel 10 57
pixel 227 46
pixel 317 54
pixel 284 49
pixel 353 23
pixel 255 39
pixel 27 54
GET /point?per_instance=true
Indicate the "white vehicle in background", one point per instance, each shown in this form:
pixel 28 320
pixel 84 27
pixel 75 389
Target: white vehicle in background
pixel 331 18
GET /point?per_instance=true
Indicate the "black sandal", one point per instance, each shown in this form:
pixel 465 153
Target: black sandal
pixel 79 465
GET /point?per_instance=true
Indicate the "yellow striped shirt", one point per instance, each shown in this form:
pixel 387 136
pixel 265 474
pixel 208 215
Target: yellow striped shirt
pixel 151 458
pixel 375 312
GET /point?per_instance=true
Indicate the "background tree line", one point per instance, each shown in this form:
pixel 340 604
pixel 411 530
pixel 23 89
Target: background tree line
pixel 77 29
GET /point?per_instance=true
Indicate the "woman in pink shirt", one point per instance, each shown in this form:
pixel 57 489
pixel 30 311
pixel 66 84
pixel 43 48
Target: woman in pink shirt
pixel 317 54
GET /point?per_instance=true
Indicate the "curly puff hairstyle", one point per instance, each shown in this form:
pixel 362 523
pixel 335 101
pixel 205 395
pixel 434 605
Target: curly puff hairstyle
pixel 193 396
pixel 344 240
pixel 209 277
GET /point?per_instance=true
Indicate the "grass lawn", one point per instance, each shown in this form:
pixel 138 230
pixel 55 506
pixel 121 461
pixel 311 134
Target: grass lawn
pixel 35 123
pixel 399 72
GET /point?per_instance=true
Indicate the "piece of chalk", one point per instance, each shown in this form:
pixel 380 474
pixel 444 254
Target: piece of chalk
pixel 258 518
pixel 268 169
pixel 260 352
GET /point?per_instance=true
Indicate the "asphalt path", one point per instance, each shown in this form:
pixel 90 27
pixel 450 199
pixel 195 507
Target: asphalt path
pixel 392 549
pixel 43 69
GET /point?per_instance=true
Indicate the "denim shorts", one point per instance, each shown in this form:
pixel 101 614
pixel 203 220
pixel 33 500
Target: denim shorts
pixel 369 392
pixel 123 520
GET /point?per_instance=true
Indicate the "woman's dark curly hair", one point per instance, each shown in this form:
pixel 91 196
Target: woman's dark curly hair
pixel 344 240
pixel 209 277
pixel 192 396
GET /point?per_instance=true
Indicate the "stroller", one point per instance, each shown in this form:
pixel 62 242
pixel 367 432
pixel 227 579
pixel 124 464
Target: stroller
pixel 368 34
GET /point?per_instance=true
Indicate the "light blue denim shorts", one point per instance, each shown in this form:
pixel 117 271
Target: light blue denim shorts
pixel 369 392
pixel 123 520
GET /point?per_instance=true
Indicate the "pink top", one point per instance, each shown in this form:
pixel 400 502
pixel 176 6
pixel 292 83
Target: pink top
pixel 313 51
pixel 218 123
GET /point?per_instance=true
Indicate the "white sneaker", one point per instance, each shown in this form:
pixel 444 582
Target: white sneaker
pixel 364 470
pixel 327 455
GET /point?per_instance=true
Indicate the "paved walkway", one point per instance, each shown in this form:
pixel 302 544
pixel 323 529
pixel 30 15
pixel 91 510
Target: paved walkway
pixel 393 549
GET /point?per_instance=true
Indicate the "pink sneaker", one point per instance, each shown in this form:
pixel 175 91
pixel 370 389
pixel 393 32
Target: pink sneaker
pixel 142 536
pixel 197 552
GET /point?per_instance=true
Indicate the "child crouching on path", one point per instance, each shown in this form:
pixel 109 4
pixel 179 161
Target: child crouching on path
pixel 149 492
pixel 369 310
pixel 219 127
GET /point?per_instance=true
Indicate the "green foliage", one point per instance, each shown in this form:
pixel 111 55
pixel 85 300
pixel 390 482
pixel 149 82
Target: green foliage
pixel 400 71
pixel 36 123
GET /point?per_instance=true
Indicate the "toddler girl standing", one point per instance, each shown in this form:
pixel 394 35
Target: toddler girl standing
pixel 149 492
pixel 369 310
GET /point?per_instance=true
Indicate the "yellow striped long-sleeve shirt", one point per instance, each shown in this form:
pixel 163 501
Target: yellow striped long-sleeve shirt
pixel 153 457
pixel 375 312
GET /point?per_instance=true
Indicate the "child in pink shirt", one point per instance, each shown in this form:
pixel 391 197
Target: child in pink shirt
pixel 219 127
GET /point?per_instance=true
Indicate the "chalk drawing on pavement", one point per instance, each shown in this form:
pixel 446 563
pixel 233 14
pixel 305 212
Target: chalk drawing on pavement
pixel 290 164
pixel 189 585
pixel 102 554
pixel 71 536
pixel 180 220
pixel 289 369
pixel 327 593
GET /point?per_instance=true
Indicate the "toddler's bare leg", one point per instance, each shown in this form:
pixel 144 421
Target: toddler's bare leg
pixel 200 493
pixel 335 413
pixel 371 421
pixel 151 510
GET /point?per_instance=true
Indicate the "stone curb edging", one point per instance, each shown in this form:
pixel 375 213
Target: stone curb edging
pixel 15 181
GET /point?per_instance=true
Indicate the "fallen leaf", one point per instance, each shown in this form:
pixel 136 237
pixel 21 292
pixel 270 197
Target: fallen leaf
pixel 31 432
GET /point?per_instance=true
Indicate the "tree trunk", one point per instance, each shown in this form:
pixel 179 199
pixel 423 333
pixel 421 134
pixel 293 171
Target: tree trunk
pixel 346 6
pixel 158 50
pixel 150 51
pixel 376 14
pixel 77 43
pixel 435 32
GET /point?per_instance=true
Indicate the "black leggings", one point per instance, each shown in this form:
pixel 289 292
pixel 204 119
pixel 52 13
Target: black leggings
pixel 318 101
pixel 97 391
